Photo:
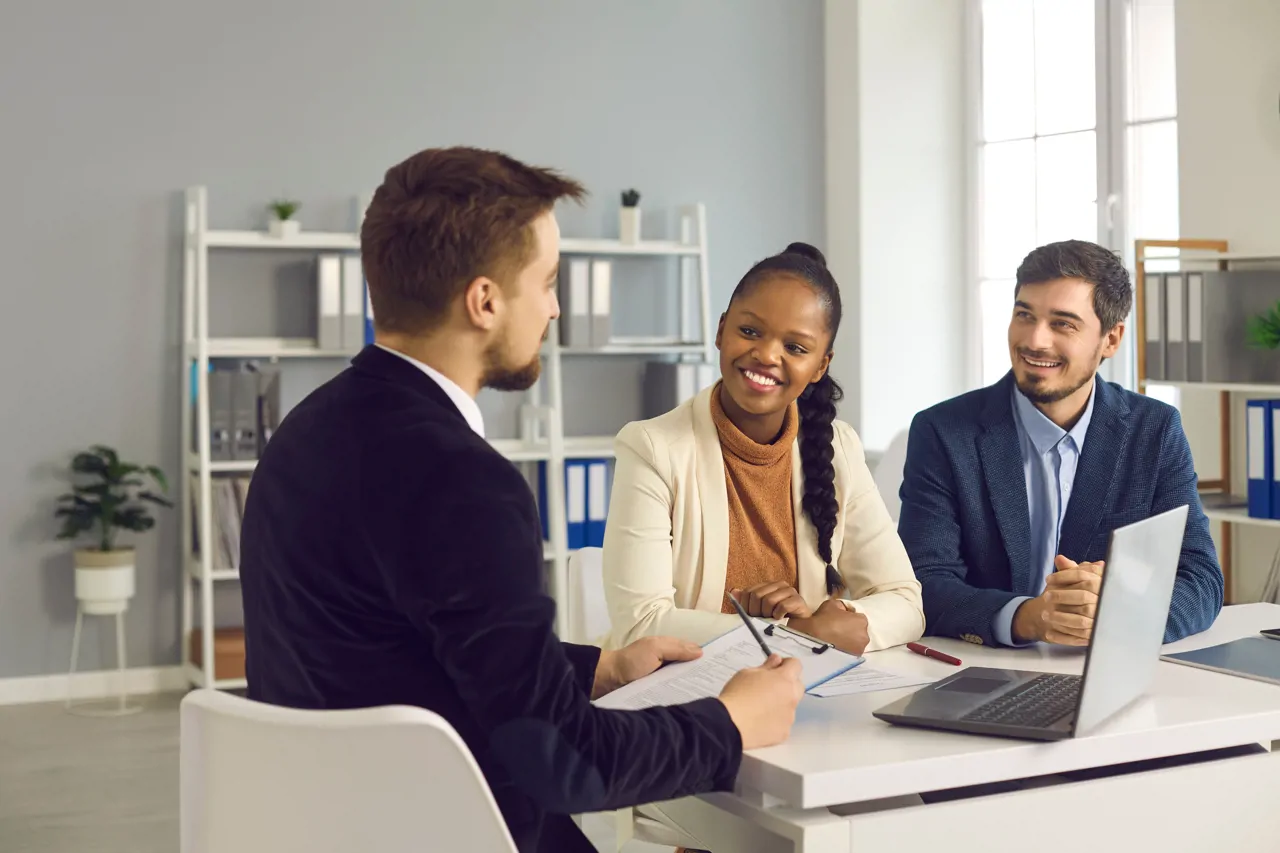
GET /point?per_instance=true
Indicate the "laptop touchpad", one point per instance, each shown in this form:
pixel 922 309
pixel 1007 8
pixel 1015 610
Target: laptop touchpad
pixel 973 684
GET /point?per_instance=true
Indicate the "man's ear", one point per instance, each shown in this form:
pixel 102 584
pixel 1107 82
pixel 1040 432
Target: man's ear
pixel 480 302
pixel 1111 340
pixel 720 330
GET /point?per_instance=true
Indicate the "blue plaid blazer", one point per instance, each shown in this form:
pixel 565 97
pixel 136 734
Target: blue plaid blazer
pixel 964 514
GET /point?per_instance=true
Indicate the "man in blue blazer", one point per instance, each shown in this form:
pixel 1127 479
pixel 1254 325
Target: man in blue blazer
pixel 1009 492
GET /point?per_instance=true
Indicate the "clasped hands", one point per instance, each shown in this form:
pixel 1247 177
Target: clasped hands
pixel 833 622
pixel 1064 612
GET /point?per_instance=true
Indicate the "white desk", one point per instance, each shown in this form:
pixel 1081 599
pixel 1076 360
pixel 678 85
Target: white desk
pixel 845 781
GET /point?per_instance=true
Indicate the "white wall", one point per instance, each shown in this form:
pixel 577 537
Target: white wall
pixel 1228 66
pixel 896 208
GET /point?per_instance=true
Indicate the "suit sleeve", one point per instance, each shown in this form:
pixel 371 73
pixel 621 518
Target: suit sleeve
pixel 872 560
pixel 929 525
pixel 639 583
pixel 474 590
pixel 1198 588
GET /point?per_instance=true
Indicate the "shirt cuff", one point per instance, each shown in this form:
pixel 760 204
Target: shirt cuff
pixel 1002 622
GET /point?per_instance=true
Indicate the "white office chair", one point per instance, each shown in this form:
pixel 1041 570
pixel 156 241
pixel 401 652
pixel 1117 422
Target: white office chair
pixel 888 474
pixel 258 778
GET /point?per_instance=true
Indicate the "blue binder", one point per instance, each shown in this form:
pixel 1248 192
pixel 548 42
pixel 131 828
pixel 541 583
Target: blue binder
pixel 1259 462
pixel 1273 455
pixel 368 316
pixel 575 498
pixel 598 500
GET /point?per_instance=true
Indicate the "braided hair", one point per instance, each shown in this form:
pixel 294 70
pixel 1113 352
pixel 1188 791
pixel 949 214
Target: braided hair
pixel 817 404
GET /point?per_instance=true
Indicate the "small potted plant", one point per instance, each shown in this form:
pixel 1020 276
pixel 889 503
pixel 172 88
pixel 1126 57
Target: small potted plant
pixel 283 224
pixel 1264 329
pixel 109 496
pixel 629 218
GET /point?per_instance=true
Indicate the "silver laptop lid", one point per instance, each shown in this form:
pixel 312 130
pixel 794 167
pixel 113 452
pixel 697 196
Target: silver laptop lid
pixel 1133 607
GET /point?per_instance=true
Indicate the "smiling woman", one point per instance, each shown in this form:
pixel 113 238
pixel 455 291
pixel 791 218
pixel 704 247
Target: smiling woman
pixel 754 489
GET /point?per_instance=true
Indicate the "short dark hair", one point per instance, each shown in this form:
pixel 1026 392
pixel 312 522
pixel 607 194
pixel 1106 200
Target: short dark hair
pixel 1112 292
pixel 443 217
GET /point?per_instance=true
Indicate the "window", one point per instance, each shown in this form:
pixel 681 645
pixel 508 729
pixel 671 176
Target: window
pixel 1049 165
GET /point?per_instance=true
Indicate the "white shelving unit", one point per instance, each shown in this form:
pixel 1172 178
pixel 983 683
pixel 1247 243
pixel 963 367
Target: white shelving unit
pixel 1193 254
pixel 541 440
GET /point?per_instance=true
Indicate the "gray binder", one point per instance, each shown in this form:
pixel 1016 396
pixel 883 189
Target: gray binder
pixel 352 304
pixel 1175 328
pixel 1195 326
pixel 601 292
pixel 1228 299
pixel 220 428
pixel 668 384
pixel 1153 295
pixel 244 418
pixel 329 300
pixel 575 303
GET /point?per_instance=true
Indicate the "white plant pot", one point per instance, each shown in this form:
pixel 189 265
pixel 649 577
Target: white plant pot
pixel 629 225
pixel 104 580
pixel 285 228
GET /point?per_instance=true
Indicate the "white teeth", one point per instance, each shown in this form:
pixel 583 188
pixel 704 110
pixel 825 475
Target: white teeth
pixel 760 378
pixel 1041 363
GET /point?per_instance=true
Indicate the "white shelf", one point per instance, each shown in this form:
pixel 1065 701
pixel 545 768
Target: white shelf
pixel 1204 256
pixel 223 466
pixel 1234 387
pixel 265 348
pixel 582 447
pixel 306 240
pixel 196 572
pixel 1240 515
pixel 637 349
pixel 572 246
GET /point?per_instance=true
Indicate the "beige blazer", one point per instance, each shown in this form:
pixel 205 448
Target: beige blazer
pixel 666 545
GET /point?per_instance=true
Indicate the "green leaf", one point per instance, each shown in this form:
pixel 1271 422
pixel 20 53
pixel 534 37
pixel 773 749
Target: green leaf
pixel 151 497
pixel 158 475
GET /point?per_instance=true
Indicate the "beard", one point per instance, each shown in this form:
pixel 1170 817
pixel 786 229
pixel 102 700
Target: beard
pixel 501 376
pixel 1038 389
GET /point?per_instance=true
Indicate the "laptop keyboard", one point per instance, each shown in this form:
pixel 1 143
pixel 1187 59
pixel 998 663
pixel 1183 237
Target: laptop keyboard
pixel 1038 704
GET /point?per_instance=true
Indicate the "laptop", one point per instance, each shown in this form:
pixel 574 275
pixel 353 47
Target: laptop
pixel 1123 652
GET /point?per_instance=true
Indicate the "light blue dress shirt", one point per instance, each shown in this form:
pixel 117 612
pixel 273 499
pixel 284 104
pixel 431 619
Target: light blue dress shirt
pixel 1050 456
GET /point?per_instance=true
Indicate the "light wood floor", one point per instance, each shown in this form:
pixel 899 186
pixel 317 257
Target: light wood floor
pixel 71 784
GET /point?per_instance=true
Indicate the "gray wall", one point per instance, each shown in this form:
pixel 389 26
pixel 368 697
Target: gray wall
pixel 111 109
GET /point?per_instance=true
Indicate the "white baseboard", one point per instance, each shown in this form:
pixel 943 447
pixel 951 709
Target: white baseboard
pixel 98 684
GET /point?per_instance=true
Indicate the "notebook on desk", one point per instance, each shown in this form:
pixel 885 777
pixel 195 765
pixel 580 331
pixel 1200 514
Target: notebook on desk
pixel 724 657
pixel 1252 657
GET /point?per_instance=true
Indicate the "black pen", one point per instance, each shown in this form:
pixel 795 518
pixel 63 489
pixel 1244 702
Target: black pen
pixel 751 626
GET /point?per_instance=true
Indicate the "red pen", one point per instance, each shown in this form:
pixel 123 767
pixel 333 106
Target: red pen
pixel 933 653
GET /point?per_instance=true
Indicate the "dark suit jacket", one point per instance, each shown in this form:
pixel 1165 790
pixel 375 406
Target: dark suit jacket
pixel 964 515
pixel 390 556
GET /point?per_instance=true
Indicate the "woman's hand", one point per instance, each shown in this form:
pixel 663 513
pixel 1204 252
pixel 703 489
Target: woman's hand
pixel 772 600
pixel 835 623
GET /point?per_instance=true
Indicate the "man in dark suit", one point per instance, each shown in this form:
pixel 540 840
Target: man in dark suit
pixel 1009 492
pixel 390 555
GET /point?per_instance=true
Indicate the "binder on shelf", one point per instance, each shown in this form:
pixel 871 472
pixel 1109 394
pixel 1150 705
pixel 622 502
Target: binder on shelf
pixel 601 313
pixel 244 414
pixel 575 495
pixel 1273 454
pixel 352 304
pixel 1195 327
pixel 1154 323
pixel 1260 461
pixel 1228 299
pixel 368 316
pixel 329 284
pixel 221 430
pixel 1175 350
pixel 668 384
pixel 597 500
pixel 575 310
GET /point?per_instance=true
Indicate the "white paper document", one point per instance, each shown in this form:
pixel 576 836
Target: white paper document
pixel 721 659
pixel 864 679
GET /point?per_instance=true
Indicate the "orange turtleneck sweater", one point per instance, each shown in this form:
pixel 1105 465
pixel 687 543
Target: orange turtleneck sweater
pixel 762 531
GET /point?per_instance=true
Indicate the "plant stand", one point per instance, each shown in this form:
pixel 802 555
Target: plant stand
pixel 118 707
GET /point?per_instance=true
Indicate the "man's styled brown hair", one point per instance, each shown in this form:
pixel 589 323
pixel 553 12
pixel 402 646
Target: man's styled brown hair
pixel 444 217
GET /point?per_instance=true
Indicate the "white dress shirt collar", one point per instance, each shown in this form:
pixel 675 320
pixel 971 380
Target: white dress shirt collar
pixel 465 402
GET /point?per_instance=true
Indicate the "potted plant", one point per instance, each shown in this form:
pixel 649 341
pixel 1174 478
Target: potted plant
pixel 629 218
pixel 1264 329
pixel 284 225
pixel 110 496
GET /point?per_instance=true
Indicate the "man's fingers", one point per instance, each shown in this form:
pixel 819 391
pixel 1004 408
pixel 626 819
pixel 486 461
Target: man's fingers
pixel 775 660
pixel 1075 597
pixel 1074 577
pixel 1069 623
pixel 1061 639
